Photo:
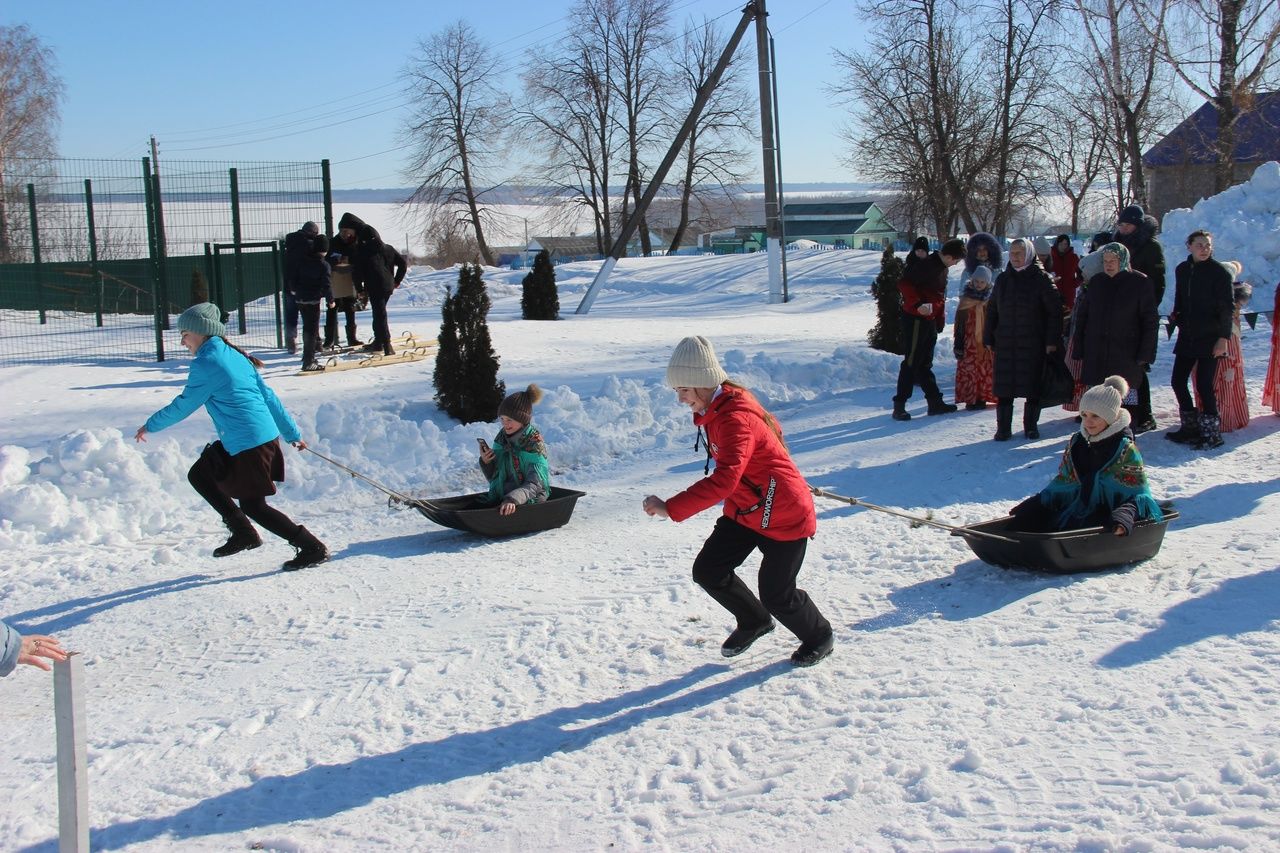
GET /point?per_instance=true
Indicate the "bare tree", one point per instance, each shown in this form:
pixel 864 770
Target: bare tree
pixel 455 126
pixel 1125 55
pixel 637 33
pixel 1225 51
pixel 30 96
pixel 1081 137
pixel 568 113
pixel 715 158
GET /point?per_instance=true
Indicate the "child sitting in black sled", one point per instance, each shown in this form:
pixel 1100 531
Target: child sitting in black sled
pixel 1100 481
pixel 516 466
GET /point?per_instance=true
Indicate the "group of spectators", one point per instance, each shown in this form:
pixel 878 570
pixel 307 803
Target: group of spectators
pixel 1095 316
pixel 353 269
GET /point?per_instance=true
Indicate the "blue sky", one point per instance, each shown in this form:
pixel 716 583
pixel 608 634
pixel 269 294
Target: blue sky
pixel 303 81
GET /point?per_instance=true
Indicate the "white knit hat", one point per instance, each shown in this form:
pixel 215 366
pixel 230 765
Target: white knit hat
pixel 694 365
pixel 1104 400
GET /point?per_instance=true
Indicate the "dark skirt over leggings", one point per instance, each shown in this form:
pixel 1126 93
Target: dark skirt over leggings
pixel 249 477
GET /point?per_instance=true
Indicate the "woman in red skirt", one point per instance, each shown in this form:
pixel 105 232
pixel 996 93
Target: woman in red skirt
pixel 1271 387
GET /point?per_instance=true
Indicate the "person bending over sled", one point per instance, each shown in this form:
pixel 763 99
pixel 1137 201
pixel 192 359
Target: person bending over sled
pixel 516 466
pixel 1100 481
pixel 767 505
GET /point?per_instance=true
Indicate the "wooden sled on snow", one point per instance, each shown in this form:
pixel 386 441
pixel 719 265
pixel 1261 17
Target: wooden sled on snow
pixel 1089 549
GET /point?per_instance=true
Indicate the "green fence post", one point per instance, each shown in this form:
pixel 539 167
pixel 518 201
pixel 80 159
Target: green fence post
pixel 235 237
pixel 162 249
pixel 93 250
pixel 210 273
pixel 327 181
pixel 278 288
pixel 156 322
pixel 35 252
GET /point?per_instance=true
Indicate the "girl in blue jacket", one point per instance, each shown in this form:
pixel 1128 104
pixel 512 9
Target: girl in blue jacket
pixel 246 462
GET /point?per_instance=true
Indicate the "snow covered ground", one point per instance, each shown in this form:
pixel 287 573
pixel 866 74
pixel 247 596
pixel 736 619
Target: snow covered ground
pixel 426 690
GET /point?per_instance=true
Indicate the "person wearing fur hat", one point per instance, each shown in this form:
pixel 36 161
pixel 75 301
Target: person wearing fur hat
pixel 516 466
pixel 1024 324
pixel 924 293
pixel 1116 324
pixel 982 249
pixel 1101 480
pixel 975 361
pixel 767 507
pixel 1202 314
pixel 246 462
pixel 1136 231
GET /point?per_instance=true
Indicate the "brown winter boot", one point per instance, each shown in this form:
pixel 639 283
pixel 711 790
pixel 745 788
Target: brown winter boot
pixel 311 551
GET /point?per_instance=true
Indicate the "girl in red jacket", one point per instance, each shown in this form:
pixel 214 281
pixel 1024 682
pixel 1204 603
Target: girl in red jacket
pixel 767 505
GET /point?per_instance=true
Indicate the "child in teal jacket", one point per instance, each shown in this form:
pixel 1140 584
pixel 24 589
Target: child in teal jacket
pixel 516 466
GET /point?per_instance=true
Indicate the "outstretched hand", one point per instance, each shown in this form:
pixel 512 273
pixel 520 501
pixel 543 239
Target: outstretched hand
pixel 141 434
pixel 654 505
pixel 301 444
pixel 37 647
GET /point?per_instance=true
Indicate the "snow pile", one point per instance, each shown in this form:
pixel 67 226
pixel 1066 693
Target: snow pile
pixel 1244 221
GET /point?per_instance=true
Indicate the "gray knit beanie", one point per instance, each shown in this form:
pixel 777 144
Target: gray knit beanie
pixel 694 365
pixel 203 319
pixel 1104 400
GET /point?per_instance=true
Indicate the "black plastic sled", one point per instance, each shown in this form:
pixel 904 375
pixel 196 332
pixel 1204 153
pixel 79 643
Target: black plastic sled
pixel 1089 549
pixel 466 512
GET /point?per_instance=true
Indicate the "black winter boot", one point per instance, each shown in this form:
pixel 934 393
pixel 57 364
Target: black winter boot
pixel 742 638
pixel 1031 420
pixel 243 538
pixel 900 412
pixel 941 407
pixel 810 653
pixel 311 551
pixel 1004 420
pixel 1188 431
pixel 1210 433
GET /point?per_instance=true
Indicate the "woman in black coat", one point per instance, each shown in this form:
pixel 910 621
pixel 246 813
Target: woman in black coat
pixel 1202 313
pixel 1024 322
pixel 1116 322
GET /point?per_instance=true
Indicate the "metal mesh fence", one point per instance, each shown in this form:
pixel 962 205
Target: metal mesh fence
pixel 98 256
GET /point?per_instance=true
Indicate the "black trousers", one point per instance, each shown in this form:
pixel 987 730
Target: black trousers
pixel 310 312
pixel 202 479
pixel 347 305
pixel 919 335
pixel 290 316
pixel 1144 399
pixel 381 327
pixel 727 548
pixel 1205 368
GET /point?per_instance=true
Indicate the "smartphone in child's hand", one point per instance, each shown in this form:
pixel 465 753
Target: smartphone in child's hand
pixel 484 445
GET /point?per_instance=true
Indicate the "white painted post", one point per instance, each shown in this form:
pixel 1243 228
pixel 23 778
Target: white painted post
pixel 73 764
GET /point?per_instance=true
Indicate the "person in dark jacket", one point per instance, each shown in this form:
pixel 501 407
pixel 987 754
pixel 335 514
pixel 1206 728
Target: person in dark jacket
pixel 346 297
pixel 1202 314
pixel 1116 321
pixel 297 246
pixel 311 289
pixel 376 267
pixel 1024 322
pixel 767 507
pixel 919 251
pixel 1136 231
pixel 924 292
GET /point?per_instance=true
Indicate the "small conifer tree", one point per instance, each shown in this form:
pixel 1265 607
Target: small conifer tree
pixel 467 385
pixel 540 299
pixel 886 334
pixel 448 370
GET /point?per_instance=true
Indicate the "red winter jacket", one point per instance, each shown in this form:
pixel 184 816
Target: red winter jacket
pixel 761 487
pixel 1066 276
pixel 926 283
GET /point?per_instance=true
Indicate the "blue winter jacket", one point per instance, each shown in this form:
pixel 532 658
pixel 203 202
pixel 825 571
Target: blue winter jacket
pixel 244 410
pixel 10 647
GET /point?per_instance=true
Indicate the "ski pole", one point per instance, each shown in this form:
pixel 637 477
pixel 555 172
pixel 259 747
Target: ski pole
pixel 914 519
